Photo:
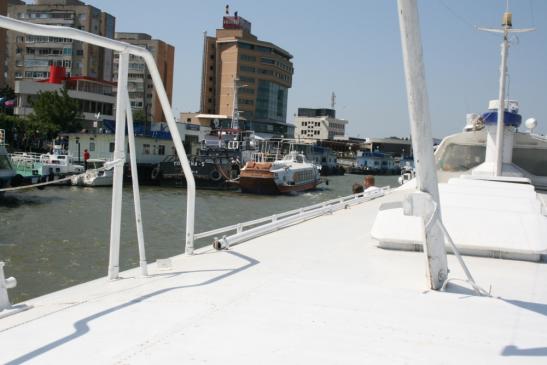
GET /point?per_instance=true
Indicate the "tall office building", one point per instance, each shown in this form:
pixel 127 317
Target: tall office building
pixel 141 89
pixel 30 57
pixel 264 71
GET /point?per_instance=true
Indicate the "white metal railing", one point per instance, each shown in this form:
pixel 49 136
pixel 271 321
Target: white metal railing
pixel 274 222
pixel 125 50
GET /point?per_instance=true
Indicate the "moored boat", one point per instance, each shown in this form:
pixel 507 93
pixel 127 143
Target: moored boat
pixel 6 169
pixel 95 175
pixel 292 173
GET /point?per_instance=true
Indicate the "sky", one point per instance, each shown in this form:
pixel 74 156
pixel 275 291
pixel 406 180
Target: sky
pixel 353 48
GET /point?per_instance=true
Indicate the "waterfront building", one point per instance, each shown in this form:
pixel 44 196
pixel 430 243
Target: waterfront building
pixel 94 96
pixel 394 145
pixel 29 56
pixel 142 95
pixel 318 124
pixel 237 66
pixel 153 142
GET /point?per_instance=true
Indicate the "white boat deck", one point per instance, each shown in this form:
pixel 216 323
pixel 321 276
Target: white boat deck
pixel 329 297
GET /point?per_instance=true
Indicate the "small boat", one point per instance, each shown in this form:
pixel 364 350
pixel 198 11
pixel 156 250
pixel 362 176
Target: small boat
pixel 93 176
pixel 292 173
pixel 35 167
pixel 407 173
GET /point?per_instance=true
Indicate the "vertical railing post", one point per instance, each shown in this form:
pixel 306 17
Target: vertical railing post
pixel 119 154
pixel 181 153
pixel 135 182
pixel 422 140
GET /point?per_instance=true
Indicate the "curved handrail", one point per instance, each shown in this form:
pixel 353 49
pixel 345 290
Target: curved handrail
pixel 123 47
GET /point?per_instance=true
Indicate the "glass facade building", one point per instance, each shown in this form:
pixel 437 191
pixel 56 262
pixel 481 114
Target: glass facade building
pixel 271 101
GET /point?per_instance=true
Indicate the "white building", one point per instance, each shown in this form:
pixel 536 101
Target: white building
pixel 153 144
pixel 94 96
pixel 318 124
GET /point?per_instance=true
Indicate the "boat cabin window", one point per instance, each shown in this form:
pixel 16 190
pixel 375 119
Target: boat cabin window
pixel 4 163
pixel 532 160
pixel 457 157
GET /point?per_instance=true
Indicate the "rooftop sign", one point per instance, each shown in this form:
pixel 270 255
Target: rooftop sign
pixel 236 22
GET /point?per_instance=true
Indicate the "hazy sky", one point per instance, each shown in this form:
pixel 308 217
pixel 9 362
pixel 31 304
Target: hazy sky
pixel 353 48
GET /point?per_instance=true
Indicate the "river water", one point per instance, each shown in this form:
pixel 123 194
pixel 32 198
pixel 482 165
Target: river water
pixel 58 237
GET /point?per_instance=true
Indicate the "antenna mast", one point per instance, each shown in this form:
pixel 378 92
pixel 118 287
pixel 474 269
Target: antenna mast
pixel 507 28
pixel 333 100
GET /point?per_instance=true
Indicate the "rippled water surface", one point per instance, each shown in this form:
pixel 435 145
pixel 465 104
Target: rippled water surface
pixel 58 237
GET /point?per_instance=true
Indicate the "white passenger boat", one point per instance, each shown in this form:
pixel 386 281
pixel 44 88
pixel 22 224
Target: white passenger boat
pixel 290 174
pixel 95 174
pixel 311 286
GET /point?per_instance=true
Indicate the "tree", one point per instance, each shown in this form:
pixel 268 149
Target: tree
pixel 139 115
pixel 55 111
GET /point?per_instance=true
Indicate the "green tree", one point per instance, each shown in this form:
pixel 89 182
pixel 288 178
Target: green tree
pixel 54 112
pixel 139 115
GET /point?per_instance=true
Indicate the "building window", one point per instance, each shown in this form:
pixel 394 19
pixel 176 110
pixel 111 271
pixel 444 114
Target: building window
pixel 247 69
pixel 247 79
pixel 247 58
pixel 267 61
pixel 145 149
pixel 246 90
pixel 79 52
pixel 161 150
pixel 91 146
pixel 111 147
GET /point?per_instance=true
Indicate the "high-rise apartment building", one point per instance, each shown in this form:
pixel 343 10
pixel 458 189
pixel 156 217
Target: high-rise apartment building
pixel 259 73
pixel 141 89
pixel 30 57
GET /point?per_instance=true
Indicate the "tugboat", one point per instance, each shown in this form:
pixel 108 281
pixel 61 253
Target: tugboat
pixel 7 173
pixel 216 164
pixel 292 173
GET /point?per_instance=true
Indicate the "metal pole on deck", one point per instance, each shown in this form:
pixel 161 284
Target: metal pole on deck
pixel 135 182
pixel 422 140
pixel 119 154
pixel 501 107
pixel 179 147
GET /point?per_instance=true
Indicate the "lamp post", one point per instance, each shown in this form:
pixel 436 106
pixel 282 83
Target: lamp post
pixel 235 112
pixel 78 143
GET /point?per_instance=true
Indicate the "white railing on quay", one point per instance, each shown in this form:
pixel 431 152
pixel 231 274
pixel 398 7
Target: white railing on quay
pixel 125 49
pixel 274 222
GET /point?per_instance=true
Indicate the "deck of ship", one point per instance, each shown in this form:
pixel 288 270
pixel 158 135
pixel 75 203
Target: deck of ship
pixel 320 292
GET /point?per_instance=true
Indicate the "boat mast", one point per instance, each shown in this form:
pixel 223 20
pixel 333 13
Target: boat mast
pixel 507 28
pixel 235 111
pixel 422 140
